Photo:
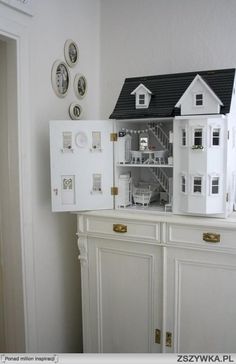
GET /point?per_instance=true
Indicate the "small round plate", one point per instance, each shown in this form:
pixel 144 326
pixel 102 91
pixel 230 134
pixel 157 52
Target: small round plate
pixel 81 139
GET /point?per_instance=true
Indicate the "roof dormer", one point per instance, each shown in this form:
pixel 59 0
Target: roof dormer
pixel 142 97
pixel 199 98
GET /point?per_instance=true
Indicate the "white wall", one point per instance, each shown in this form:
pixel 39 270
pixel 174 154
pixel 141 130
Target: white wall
pixel 56 265
pixel 10 247
pixel 145 37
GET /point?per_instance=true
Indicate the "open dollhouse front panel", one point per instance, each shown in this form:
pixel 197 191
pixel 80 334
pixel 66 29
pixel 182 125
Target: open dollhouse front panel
pixel 81 165
pixel 144 165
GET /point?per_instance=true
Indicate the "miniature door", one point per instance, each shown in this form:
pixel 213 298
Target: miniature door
pixel 81 165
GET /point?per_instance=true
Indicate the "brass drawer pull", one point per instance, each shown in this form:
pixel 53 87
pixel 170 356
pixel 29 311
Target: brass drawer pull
pixel 120 228
pixel 211 237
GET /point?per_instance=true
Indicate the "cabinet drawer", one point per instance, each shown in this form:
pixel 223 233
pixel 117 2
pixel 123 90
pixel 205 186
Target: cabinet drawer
pixel 123 229
pixel 199 235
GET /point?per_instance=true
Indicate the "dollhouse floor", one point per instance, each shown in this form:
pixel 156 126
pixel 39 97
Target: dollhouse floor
pixel 152 207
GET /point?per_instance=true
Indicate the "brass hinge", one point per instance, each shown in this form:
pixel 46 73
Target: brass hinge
pixel 227 197
pixel 114 191
pixel 157 336
pixel 113 137
pixel 168 339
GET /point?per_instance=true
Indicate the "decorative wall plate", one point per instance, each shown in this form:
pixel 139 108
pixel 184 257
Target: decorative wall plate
pixel 75 111
pixel 71 52
pixel 60 78
pixel 81 139
pixel 80 86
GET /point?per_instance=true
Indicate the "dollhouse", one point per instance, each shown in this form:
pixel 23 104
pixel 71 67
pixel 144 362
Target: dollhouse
pixel 174 148
pixel 189 141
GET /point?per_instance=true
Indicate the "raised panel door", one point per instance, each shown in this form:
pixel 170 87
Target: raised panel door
pixel 125 285
pixel 200 298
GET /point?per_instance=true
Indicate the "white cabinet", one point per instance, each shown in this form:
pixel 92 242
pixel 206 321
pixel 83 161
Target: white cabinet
pixel 157 283
pixel 200 300
pixel 124 296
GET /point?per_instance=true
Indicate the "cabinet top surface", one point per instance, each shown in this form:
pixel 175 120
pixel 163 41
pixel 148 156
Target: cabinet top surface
pixel 229 222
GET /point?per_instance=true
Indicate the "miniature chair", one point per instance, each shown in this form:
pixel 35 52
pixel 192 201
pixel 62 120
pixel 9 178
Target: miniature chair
pixel 168 206
pixel 136 157
pixel 159 156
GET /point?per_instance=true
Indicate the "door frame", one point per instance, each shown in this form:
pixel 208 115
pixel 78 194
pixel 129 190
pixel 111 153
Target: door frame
pixel 14 26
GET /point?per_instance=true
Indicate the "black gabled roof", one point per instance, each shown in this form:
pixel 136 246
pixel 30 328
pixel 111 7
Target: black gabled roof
pixel 167 90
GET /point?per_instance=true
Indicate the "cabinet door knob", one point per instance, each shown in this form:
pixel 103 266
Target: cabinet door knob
pixel 120 228
pixel 211 237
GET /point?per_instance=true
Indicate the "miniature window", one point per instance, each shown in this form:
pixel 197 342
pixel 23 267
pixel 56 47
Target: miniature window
pixel 143 142
pixel 216 136
pixel 183 184
pixel 96 140
pixel 199 100
pixel 67 139
pixel 141 99
pixel 183 137
pixel 197 137
pixel 215 185
pixel 197 185
pixel 97 182
pixel 68 190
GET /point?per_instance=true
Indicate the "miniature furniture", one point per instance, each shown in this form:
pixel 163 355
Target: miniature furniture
pixel 144 193
pixel 150 156
pixel 136 156
pixel 159 156
pixel 125 191
pixel 157 283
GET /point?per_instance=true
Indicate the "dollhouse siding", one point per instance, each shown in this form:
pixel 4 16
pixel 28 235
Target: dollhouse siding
pixel 209 162
pixel 210 105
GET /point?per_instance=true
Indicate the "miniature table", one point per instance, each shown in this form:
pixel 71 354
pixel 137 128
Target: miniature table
pixel 150 158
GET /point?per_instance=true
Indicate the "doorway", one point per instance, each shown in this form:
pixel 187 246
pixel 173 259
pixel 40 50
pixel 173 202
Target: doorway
pixel 11 280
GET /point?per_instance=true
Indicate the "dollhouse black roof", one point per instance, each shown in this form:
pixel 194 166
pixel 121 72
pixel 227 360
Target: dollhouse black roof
pixel 167 90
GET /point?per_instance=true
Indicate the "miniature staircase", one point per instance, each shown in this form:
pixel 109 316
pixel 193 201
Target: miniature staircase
pixel 162 178
pixel 160 135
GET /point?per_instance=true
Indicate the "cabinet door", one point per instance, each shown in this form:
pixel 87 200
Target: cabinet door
pixel 125 296
pixel 81 165
pixel 200 301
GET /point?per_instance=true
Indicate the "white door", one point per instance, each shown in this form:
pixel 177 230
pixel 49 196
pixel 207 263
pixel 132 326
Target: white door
pixel 200 301
pixel 81 165
pixel 125 296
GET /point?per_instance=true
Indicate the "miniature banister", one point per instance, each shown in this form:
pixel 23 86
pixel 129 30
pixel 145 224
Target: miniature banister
pixel 160 135
pixel 162 178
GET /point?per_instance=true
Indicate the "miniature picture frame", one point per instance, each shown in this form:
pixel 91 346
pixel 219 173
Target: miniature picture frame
pixel 60 78
pixel 75 111
pixel 71 52
pixel 80 85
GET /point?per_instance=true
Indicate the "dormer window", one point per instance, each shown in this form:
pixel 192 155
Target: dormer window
pixel 198 99
pixel 142 97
